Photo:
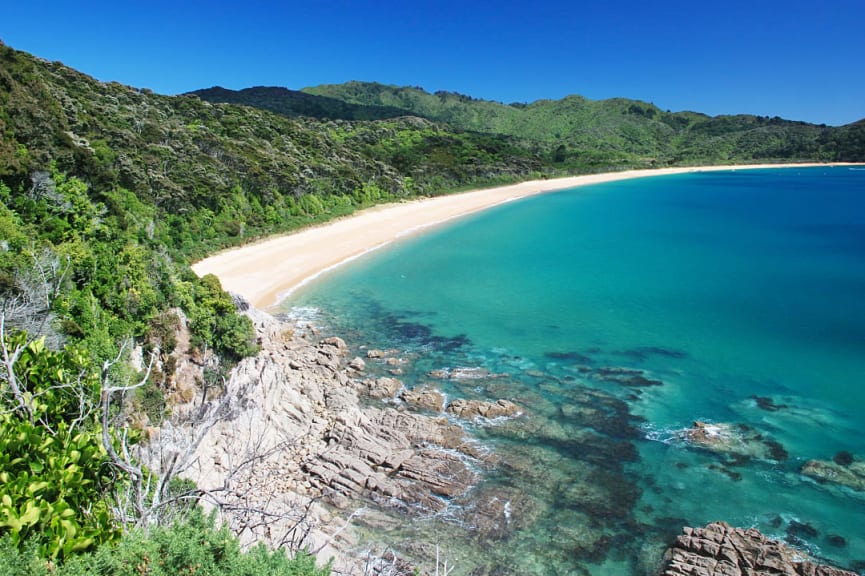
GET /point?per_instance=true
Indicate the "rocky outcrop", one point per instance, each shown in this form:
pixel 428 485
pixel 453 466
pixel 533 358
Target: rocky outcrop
pixel 721 550
pixel 292 433
pixel 471 409
pixel 847 472
pixel 391 456
pixel 423 398
pixel 737 441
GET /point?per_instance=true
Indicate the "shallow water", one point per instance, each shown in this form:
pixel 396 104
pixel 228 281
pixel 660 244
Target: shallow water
pixel 719 287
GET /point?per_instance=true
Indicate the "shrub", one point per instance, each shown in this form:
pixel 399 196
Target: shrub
pixel 194 546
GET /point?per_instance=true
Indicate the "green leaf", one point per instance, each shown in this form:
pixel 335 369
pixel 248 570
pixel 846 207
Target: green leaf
pixel 35 487
pixel 31 515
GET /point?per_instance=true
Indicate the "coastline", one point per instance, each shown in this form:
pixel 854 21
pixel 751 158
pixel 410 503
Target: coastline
pixel 290 378
pixel 266 272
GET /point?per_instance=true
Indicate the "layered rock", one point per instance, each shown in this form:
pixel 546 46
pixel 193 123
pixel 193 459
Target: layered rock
pixel 292 433
pixel 721 550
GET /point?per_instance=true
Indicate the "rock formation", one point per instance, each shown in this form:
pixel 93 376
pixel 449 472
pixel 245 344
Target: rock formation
pixel 738 441
pixel 470 409
pixel 720 550
pixel 849 473
pixel 295 434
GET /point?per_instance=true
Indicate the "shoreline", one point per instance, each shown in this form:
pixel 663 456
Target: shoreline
pixel 267 272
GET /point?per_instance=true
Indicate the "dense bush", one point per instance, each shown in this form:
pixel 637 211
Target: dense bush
pixel 53 473
pixel 190 547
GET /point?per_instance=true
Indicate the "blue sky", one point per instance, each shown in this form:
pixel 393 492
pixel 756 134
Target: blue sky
pixel 796 59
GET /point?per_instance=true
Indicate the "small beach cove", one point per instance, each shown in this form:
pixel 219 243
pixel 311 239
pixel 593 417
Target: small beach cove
pixel 267 271
pixel 606 463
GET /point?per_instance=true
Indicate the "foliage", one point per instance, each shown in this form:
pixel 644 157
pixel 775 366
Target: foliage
pixel 52 464
pixel 618 130
pixel 193 546
pixel 213 320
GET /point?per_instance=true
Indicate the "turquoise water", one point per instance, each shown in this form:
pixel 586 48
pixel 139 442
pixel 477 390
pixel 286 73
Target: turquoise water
pixel 718 286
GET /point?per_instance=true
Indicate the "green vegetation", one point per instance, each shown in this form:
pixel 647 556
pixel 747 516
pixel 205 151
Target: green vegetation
pixel 581 134
pixel 193 546
pixel 107 193
pixel 52 463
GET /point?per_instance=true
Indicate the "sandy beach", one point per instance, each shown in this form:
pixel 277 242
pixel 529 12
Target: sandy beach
pixel 267 271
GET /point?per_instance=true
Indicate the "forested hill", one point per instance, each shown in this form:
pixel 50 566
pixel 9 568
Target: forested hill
pixel 220 174
pixel 107 192
pixel 583 134
pixel 294 103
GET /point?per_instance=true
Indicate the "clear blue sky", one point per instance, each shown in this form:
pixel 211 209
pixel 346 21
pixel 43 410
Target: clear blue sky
pixel 799 59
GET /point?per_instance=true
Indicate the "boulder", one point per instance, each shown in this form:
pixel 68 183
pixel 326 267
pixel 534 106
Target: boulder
pixel 357 364
pixel 423 398
pixel 334 342
pixel 721 550
pixel 381 387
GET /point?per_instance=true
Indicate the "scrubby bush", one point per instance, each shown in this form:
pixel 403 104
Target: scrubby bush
pixel 194 546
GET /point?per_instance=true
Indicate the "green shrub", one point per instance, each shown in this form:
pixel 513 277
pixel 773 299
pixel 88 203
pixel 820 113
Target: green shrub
pixel 194 546
pixel 52 471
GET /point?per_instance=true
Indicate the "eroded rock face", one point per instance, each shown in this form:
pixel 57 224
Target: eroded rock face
pixel 721 550
pixel 388 455
pixel 295 418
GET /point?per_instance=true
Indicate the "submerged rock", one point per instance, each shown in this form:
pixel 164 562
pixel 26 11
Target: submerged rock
pixel 463 373
pixel 851 475
pixel 721 550
pixel 767 404
pixel 738 441
pixel 629 377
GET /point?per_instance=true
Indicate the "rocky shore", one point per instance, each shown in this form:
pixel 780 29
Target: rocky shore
pixel 315 445
pixel 721 550
pixel 310 441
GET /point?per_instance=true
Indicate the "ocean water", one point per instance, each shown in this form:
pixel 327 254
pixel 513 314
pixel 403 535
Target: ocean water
pixel 617 315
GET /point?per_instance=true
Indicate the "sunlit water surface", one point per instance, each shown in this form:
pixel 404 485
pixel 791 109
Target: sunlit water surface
pixel 725 287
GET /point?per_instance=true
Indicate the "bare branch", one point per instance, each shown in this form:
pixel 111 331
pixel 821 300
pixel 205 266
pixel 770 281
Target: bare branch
pixel 10 357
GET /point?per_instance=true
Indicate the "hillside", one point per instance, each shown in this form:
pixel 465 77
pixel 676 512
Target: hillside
pixel 579 133
pixel 248 171
pixel 294 103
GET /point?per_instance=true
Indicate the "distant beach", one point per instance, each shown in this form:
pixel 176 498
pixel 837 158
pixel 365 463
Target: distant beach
pixel 267 271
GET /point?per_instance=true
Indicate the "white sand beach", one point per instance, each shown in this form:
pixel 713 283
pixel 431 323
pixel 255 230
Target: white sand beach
pixel 266 271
